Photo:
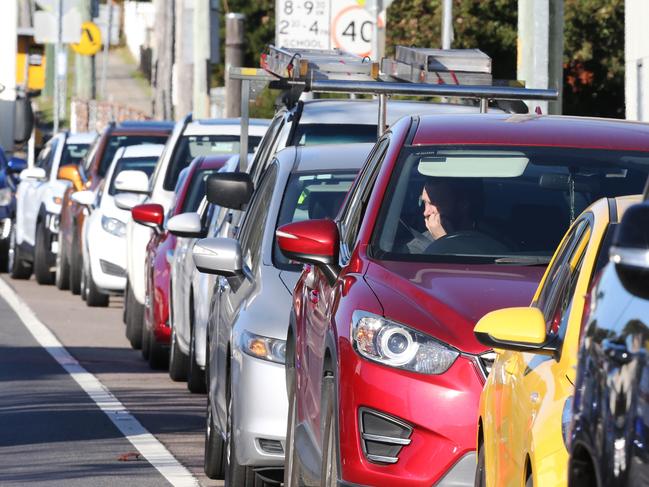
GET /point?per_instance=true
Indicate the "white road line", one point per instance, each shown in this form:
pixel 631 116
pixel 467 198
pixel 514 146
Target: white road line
pixel 147 444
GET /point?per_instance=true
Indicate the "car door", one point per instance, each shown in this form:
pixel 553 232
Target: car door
pixel 233 292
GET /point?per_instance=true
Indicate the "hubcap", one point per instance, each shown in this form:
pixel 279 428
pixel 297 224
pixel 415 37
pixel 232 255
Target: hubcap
pixel 12 250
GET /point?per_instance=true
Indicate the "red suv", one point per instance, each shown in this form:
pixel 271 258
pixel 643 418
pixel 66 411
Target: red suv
pixel 452 216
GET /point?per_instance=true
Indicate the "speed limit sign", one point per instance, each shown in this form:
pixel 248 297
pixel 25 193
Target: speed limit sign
pixel 352 28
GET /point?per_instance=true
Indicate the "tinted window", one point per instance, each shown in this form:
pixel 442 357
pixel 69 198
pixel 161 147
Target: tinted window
pixel 117 141
pixel 196 190
pixel 315 134
pixel 144 164
pixel 311 196
pixel 73 153
pixel 192 146
pixel 495 204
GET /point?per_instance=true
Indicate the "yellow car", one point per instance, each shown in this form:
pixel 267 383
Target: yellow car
pixel 525 406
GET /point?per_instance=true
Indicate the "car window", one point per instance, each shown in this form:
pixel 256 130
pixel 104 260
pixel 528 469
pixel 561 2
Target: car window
pixel 45 154
pixel 267 148
pixel 191 146
pixel 343 133
pixel 311 196
pixel 73 154
pixel 144 164
pixel 357 201
pixel 196 190
pixel 252 229
pixel 486 204
pixel 117 141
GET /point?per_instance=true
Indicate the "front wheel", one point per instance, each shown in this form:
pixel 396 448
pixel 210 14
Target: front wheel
pixel 62 279
pixel 195 375
pixel 236 475
pixel 177 360
pixel 94 297
pixel 76 264
pixel 214 460
pixel 158 353
pixel 134 320
pixel 329 472
pixel 19 268
pixel 42 257
pixel 480 473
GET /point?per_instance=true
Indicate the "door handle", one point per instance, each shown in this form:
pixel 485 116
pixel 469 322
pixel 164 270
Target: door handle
pixel 314 296
pixel 617 352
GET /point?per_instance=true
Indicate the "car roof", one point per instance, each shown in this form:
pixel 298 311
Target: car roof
pixel 366 112
pixel 144 127
pixel 332 157
pixel 225 126
pixel 82 138
pixel 532 130
pixel 141 150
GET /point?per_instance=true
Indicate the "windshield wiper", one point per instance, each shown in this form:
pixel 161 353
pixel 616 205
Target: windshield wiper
pixel 524 260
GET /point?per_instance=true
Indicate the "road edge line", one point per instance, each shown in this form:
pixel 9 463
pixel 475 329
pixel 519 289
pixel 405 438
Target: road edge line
pixel 144 442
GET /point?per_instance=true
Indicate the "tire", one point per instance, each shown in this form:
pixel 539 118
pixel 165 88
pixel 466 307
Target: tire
pixel 83 284
pixel 292 475
pixel 134 319
pixel 480 472
pixel 76 264
pixel 178 362
pixel 4 255
pixel 42 257
pixel 236 475
pixel 94 297
pixel 214 459
pixel 195 375
pixel 158 353
pixel 146 342
pixel 19 268
pixel 62 279
pixel 530 481
pixel 125 306
pixel 329 472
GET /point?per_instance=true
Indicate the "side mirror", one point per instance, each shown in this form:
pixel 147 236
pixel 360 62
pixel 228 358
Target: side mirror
pixel 16 165
pixel 186 225
pixel 33 173
pixel 229 189
pixel 312 242
pixel 517 329
pixel 71 173
pixel 150 215
pixel 84 198
pixel 630 249
pixel 132 182
pixel 220 256
pixel 126 201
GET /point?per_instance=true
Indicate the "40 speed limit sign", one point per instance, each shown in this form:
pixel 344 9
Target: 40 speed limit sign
pixel 325 24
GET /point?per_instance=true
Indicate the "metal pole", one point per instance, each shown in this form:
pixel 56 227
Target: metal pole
pixel 57 67
pixel 234 31
pixel 84 78
pixel 201 105
pixel 245 119
pixel 104 64
pixel 484 105
pixel 383 114
pixel 447 24
pixel 377 8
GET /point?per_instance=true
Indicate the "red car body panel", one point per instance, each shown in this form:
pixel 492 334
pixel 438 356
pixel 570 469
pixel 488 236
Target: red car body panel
pixel 442 300
pixel 158 268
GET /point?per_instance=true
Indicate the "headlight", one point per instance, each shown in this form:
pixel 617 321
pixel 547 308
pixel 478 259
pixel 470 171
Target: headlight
pixel 113 226
pixel 387 342
pixel 566 419
pixel 271 349
pixel 5 196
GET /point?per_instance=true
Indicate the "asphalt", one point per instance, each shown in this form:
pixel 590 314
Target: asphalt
pixel 51 433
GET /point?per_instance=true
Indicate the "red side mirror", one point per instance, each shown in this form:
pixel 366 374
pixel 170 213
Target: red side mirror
pixel 149 215
pixel 310 241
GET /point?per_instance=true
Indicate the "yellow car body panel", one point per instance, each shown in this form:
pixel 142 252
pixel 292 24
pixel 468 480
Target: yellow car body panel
pixel 523 399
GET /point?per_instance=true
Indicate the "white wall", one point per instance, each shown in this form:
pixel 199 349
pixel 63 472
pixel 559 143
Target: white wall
pixel 8 41
pixel 139 18
pixel 636 55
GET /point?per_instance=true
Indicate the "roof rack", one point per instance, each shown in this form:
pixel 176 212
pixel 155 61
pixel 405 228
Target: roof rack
pixel 414 71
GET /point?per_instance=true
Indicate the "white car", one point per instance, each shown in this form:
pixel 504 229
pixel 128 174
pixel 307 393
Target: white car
pixel 189 139
pixel 104 230
pixel 38 205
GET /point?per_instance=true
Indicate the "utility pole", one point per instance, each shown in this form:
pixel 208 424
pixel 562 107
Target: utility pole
pixel 201 97
pixel 234 30
pixel 540 48
pixel 59 79
pixel 163 60
pixel 106 46
pixel 183 63
pixel 447 24
pixel 84 65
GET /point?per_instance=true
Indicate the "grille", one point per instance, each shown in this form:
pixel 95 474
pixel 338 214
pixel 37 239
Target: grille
pixel 273 447
pixel 112 269
pixel 486 361
pixel 382 436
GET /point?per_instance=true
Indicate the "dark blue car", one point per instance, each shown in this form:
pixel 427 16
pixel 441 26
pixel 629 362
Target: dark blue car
pixel 9 171
pixel 609 443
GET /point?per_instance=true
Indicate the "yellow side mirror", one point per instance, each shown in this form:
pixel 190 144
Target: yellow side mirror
pixel 71 173
pixel 519 329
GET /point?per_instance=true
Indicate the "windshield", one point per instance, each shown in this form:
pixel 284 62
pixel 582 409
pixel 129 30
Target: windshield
pixel 73 153
pixel 144 164
pixel 192 146
pixel 196 190
pixel 117 141
pixel 315 134
pixel 489 204
pixel 311 196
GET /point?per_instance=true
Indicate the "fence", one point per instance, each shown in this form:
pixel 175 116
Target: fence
pixel 89 115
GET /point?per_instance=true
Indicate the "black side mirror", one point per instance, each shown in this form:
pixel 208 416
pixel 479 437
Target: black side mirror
pixel 630 249
pixel 229 189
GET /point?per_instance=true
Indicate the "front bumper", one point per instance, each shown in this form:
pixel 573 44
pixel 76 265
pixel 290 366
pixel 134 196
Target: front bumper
pixel 107 254
pixel 440 409
pixel 259 395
